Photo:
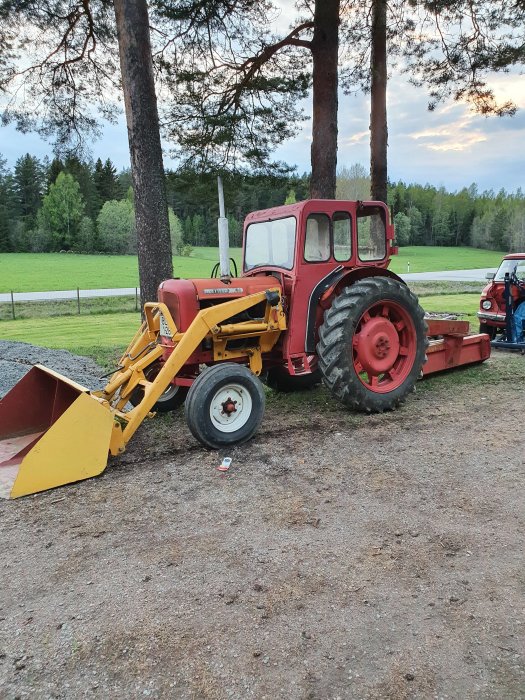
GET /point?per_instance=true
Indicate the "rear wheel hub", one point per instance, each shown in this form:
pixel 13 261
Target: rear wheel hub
pixel 377 345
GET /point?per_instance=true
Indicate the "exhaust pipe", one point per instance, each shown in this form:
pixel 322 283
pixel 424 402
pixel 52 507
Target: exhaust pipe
pixel 224 238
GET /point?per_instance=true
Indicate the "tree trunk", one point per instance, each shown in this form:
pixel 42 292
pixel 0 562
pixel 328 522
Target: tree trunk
pixel 378 119
pixel 147 170
pixel 325 46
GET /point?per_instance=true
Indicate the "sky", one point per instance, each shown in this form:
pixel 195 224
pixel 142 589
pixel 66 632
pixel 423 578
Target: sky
pixel 450 147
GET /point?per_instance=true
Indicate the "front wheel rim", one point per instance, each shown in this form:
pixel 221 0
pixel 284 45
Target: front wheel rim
pixel 231 408
pixel 384 346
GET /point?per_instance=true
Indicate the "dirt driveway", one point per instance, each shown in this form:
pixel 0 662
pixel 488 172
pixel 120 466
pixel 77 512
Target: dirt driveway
pixel 343 556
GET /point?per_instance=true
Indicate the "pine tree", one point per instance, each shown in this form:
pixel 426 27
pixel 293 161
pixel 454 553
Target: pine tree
pixel 72 69
pixel 98 179
pixel 6 206
pixel 107 181
pixel 112 184
pixel 28 183
pixel 147 168
pixel 467 42
pixel 82 173
pixel 56 167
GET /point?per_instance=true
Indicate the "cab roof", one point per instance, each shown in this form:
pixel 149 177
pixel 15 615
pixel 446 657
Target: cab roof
pixel 317 205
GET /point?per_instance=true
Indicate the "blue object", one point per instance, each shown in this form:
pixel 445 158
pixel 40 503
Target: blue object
pixel 518 319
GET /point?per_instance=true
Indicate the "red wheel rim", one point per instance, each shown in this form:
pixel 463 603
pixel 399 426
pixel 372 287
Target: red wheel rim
pixel 384 346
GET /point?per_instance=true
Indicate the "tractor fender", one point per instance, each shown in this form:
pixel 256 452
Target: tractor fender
pixel 331 286
pixel 358 274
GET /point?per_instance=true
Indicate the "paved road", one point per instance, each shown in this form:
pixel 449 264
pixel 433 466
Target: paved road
pixel 68 294
pixel 448 276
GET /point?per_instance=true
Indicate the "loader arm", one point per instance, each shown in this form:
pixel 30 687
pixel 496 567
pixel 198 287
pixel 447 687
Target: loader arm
pixel 207 323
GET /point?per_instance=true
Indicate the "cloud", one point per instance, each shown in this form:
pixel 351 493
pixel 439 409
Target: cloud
pixel 508 86
pixel 463 145
pixel 455 136
pixel 359 137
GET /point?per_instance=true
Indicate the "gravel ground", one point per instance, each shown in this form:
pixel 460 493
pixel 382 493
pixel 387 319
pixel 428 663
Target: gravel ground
pixel 17 358
pixel 342 556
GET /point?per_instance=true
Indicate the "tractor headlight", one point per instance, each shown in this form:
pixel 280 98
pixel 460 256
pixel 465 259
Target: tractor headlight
pixel 487 304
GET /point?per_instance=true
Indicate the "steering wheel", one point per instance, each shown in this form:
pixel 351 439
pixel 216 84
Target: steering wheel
pixel 217 267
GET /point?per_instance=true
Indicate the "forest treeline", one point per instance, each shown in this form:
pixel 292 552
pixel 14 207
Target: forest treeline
pixel 87 207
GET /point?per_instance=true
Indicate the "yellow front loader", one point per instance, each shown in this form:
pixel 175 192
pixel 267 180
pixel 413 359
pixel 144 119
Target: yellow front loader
pixel 54 431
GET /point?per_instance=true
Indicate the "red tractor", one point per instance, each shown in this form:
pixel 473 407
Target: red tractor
pixel 315 300
pixel 348 320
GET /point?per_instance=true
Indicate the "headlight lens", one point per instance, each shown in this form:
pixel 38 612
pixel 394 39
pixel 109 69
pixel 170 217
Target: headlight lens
pixel 487 304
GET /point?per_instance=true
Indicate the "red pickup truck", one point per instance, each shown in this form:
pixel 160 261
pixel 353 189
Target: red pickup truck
pixel 491 312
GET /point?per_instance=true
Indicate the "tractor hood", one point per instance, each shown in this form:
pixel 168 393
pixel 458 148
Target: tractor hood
pixel 185 298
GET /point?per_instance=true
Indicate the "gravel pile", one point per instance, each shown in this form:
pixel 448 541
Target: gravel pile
pixel 17 358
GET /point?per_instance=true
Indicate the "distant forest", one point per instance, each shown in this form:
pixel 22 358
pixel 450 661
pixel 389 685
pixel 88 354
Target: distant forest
pixel 87 207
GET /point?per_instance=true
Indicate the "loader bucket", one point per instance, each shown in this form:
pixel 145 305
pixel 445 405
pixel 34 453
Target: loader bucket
pixel 52 432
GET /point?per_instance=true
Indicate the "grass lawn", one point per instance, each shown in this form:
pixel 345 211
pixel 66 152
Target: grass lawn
pixel 433 258
pixel 98 336
pixel 35 272
pixel 39 272
pixel 464 304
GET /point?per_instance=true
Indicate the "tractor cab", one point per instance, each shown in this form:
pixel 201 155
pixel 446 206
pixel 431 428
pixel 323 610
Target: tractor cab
pixel 307 237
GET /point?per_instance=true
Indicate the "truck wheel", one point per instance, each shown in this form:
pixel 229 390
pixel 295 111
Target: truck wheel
pixel 278 379
pixel 372 344
pixel 490 330
pixel 225 405
pixel 172 398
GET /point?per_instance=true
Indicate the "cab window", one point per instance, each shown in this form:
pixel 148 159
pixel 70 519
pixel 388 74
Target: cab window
pixel 371 233
pixel 270 243
pixel 317 239
pixel 342 227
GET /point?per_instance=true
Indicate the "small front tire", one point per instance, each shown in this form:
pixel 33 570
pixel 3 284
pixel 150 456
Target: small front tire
pixel 225 405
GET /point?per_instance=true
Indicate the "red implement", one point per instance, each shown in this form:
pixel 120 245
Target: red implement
pixel 450 345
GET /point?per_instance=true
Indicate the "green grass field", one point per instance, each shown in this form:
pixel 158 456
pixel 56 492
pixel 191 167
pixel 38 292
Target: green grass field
pixel 42 272
pixel 103 337
pixel 36 272
pixel 433 258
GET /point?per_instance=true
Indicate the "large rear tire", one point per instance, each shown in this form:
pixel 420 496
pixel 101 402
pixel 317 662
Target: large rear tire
pixel 225 405
pixel 372 344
